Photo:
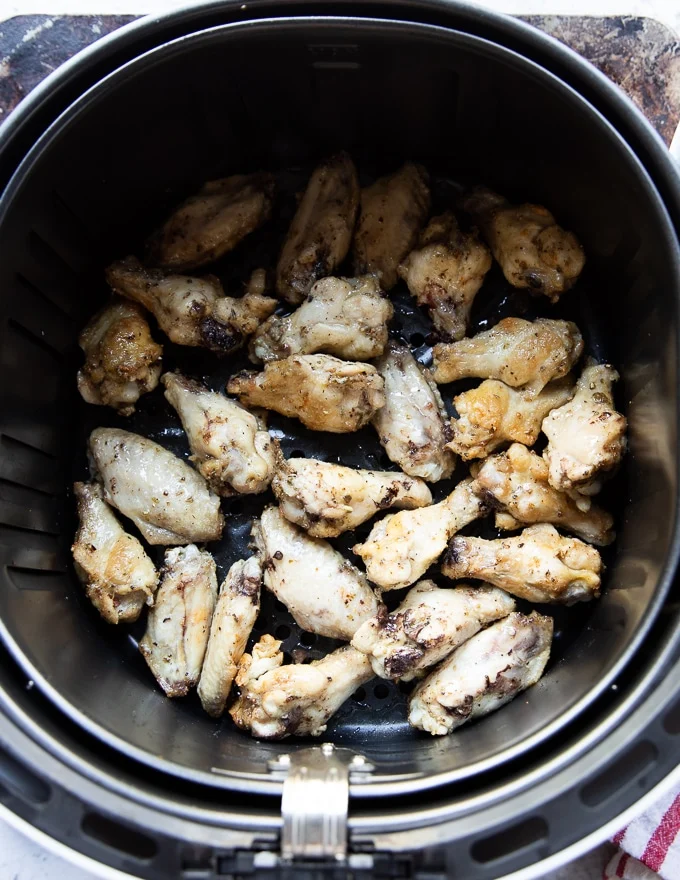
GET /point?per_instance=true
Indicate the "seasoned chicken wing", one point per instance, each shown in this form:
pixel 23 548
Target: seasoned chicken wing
pixel 444 273
pixel 494 413
pixel 346 317
pixel 323 591
pixel 531 249
pixel 413 424
pixel 211 223
pixel 427 625
pixel 518 352
pixel 178 625
pixel 484 674
pixel 402 546
pixel 518 480
pixel 325 393
pixel 329 499
pixel 191 311
pixel 321 232
pixel 122 361
pixel 163 496
pixel 118 576
pixel 237 607
pixel 231 447
pixel 587 436
pixel 299 698
pixel 539 565
pixel 393 211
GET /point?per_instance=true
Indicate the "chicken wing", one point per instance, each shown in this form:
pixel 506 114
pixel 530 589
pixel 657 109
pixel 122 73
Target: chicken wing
pixel 346 317
pixel 518 480
pixel 413 425
pixel 211 223
pixel 237 608
pixel 486 672
pixel 494 413
pixel 321 232
pixel 587 436
pixel 531 249
pixel 178 625
pixel 515 351
pixel 299 698
pixel 444 273
pixel 163 496
pixel 539 565
pixel 324 592
pixel 329 499
pixel 118 576
pixel 402 546
pixel 393 211
pixel 231 447
pixel 324 393
pixel 427 626
pixel 122 361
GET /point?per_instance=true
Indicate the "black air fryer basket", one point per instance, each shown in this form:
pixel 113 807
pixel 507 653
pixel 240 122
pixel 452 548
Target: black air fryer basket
pixel 90 751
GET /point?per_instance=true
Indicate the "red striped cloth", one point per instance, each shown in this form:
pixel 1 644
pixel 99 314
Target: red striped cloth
pixel 650 845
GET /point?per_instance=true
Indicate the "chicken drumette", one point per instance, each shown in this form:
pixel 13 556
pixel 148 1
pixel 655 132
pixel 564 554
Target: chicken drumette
pixel 445 272
pixel 231 447
pixel 538 565
pixel 325 393
pixel 517 352
pixel 329 499
pixel 393 211
pixel 321 232
pixel 532 250
pixel 413 425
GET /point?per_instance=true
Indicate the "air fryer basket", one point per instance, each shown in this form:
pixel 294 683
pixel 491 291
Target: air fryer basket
pixel 279 94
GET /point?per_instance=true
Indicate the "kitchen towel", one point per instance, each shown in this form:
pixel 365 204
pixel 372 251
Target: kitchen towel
pixel 649 845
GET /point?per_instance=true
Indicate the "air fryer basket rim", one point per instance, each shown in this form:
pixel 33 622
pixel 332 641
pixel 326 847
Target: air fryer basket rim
pixel 249 782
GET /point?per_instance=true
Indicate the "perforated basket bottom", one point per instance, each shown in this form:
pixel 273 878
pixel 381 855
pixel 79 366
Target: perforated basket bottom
pixel 378 709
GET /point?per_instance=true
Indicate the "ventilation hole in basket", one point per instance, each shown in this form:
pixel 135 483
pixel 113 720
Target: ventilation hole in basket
pixel 620 774
pixel 509 841
pixel 381 691
pixel 417 339
pixel 307 639
pixel 20 781
pixel 359 695
pixel 282 632
pixel 37 579
pixel 118 836
pixel 297 453
pixel 37 341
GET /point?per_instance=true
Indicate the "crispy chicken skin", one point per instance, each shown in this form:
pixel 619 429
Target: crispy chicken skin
pixel 231 447
pixel 118 576
pixel 444 273
pixel 324 592
pixel 178 625
pixel 413 425
pixel 345 317
pixel 328 499
pixel 163 496
pixel 428 624
pixel 321 231
pixel 518 480
pixel 531 249
pixel 402 546
pixel 211 223
pixel 298 698
pixel 482 675
pixel 539 565
pixel 393 211
pixel 191 311
pixel 587 436
pixel 122 361
pixel 323 392
pixel 521 353
pixel 236 610
pixel 493 413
